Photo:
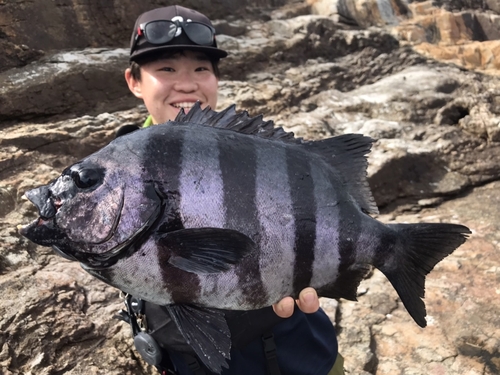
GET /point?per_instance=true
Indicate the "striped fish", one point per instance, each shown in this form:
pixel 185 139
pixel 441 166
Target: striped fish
pixel 224 211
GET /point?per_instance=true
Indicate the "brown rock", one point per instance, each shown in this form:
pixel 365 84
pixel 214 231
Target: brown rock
pixel 373 12
pixel 482 56
pixel 467 38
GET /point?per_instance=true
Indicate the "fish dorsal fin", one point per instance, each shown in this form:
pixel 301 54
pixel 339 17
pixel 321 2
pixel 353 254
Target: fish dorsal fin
pixel 237 121
pixel 347 153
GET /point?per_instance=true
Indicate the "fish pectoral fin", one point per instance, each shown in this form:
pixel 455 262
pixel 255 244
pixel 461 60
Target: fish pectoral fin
pixel 206 250
pixel 206 331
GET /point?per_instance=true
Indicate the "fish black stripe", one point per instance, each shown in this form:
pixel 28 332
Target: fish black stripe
pixel 167 148
pixel 350 273
pixel 304 212
pixel 238 163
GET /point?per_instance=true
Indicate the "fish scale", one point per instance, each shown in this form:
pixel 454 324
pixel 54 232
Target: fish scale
pixel 219 210
pixel 303 201
pixel 326 247
pixel 276 220
pixel 201 186
pixel 242 215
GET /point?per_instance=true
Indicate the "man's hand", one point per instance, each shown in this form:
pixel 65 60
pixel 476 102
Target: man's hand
pixel 308 302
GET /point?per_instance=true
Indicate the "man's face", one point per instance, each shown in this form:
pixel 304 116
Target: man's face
pixel 179 81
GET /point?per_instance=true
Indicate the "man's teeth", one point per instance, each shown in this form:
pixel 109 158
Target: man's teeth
pixel 183 105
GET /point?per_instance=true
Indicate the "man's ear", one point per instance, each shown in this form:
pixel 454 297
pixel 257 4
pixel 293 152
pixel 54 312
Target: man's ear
pixel 133 84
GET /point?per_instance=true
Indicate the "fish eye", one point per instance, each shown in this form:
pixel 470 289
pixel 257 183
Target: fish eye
pixel 85 178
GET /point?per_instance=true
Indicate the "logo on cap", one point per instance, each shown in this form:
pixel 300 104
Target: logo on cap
pixel 181 20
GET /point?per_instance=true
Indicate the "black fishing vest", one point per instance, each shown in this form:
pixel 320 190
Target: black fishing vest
pixel 155 335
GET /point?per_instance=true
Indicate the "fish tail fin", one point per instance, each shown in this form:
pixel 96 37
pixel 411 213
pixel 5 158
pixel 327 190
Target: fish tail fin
pixel 418 248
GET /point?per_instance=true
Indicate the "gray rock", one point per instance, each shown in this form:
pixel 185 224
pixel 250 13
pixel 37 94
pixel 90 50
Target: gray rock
pixel 59 85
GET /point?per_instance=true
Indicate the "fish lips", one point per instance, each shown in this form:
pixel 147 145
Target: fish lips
pixel 43 231
pixel 41 198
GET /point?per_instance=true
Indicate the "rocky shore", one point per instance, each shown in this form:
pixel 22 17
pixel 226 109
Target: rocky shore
pixel 421 77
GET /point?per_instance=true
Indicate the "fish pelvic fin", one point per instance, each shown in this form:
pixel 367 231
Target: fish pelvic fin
pixel 417 249
pixel 348 154
pixel 206 331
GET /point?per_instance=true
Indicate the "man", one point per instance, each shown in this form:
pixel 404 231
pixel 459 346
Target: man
pixel 174 63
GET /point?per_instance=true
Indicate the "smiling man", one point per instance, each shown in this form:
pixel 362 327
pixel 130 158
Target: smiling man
pixel 173 64
pixel 174 80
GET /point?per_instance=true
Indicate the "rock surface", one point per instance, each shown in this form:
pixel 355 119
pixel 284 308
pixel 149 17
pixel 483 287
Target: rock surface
pixel 465 33
pixel 28 29
pixel 437 158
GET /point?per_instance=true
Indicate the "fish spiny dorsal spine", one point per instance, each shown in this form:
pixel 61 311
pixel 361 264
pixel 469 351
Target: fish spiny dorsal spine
pixel 240 122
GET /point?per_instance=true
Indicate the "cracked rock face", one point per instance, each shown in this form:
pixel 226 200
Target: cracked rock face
pixel 437 158
pixel 465 32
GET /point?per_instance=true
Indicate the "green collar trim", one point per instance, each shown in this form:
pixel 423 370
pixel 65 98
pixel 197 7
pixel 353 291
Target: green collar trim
pixel 148 122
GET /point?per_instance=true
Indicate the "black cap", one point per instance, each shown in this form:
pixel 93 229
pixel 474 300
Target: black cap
pixel 143 47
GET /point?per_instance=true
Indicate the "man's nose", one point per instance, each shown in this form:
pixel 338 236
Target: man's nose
pixel 185 83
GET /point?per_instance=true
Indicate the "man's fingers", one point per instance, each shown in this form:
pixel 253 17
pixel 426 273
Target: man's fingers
pixel 308 301
pixel 284 308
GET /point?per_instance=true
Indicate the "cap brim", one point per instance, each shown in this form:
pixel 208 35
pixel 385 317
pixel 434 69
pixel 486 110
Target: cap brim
pixel 210 51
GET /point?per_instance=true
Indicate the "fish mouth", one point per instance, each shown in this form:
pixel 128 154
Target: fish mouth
pixel 42 231
pixel 47 231
pixel 24 229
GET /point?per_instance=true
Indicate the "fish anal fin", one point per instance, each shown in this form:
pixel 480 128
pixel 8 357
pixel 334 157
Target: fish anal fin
pixel 346 285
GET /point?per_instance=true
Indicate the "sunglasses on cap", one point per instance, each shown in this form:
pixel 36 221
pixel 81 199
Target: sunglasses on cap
pixel 163 31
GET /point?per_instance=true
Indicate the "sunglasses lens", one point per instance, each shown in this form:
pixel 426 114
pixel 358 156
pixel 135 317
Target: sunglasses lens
pixel 160 32
pixel 199 33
